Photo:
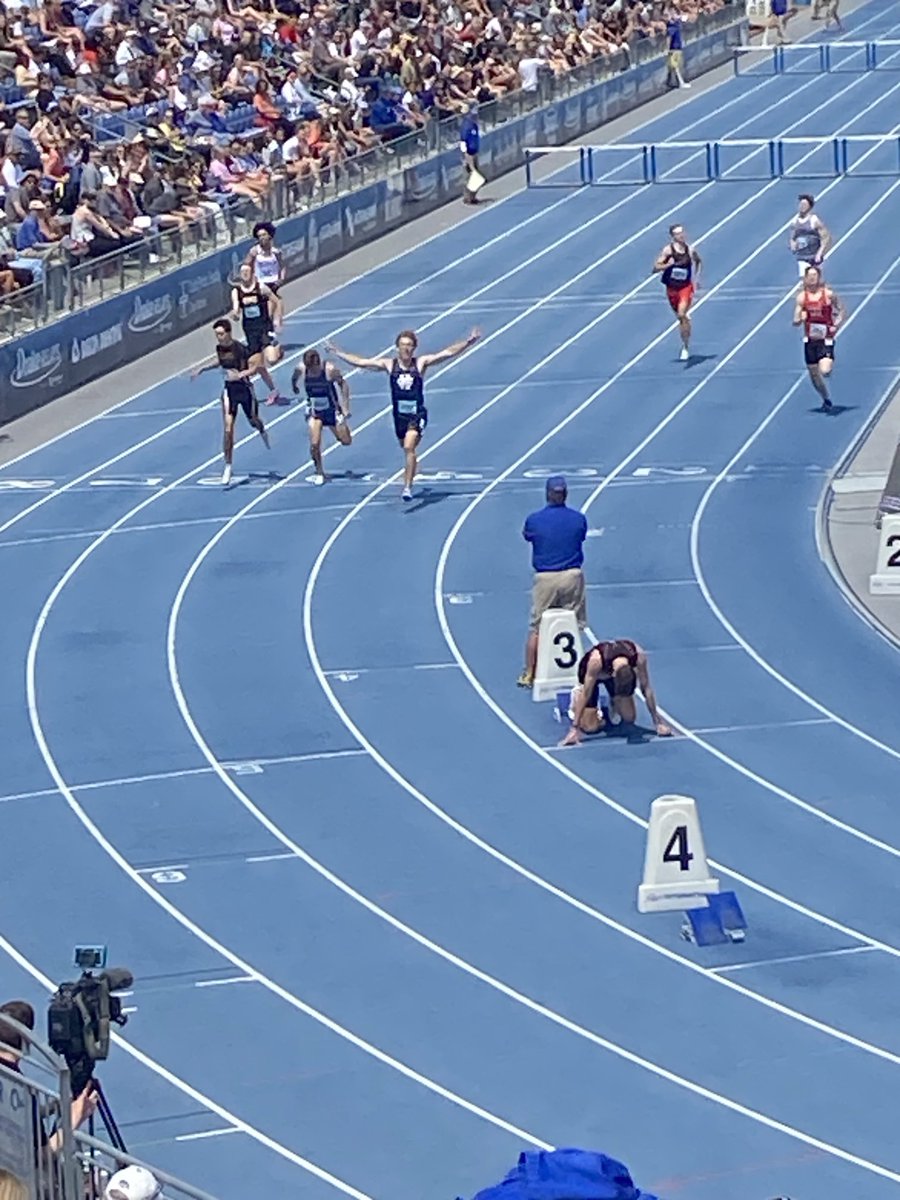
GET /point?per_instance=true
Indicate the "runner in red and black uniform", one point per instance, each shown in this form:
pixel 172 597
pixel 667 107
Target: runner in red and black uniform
pixel 680 266
pixel 619 667
pixel 820 311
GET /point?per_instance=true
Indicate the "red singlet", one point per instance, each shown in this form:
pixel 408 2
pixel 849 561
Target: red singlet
pixel 819 325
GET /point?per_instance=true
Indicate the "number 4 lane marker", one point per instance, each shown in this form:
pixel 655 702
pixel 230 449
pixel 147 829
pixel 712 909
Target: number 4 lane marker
pixel 676 873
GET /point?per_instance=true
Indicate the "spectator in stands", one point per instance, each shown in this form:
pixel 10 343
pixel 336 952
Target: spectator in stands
pixel 131 1183
pixel 15 271
pixel 35 237
pixel 92 234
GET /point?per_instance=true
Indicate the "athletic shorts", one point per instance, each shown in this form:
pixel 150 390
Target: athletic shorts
pixel 678 295
pixel 558 589
pixel 240 394
pixel 257 338
pixel 404 422
pixel 814 352
pixel 328 416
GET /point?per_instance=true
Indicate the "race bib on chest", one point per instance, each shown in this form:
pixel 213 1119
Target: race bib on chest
pixel 678 274
pixel 818 330
pixel 251 311
pixel 407 407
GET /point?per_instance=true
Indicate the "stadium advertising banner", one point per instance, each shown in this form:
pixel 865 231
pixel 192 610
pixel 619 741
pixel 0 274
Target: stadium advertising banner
pixel 58 358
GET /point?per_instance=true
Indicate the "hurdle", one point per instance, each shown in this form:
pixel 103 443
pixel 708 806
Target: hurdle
pixel 740 160
pixel 818 58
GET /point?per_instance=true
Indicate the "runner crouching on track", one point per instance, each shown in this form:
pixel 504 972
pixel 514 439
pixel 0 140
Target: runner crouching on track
pixel 619 667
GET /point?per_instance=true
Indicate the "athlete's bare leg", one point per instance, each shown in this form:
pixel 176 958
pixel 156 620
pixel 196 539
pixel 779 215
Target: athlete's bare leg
pixel 228 437
pixel 315 446
pixel 410 443
pixel 626 708
pixel 818 378
pixel 684 324
pixel 258 365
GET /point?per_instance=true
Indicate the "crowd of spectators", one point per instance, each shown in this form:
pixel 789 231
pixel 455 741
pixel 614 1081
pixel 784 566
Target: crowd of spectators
pixel 122 120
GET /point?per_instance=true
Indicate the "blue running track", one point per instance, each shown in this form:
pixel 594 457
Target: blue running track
pixel 266 743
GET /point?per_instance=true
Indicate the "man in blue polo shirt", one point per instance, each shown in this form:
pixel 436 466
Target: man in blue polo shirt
pixel 556 533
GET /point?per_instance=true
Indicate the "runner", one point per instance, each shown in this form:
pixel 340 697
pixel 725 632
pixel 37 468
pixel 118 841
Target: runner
pixel 407 375
pixel 680 266
pixel 265 258
pixel 235 360
pixel 327 404
pixel 810 239
pixel 259 310
pixel 820 311
pixel 620 667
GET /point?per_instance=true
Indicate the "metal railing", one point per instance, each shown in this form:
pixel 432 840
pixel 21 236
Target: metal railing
pixel 38 1145
pixel 71 284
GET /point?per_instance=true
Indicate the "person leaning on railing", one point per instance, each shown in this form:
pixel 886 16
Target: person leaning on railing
pixel 13 1048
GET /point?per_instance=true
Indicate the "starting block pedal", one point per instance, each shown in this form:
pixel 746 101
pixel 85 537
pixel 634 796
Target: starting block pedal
pixel 720 920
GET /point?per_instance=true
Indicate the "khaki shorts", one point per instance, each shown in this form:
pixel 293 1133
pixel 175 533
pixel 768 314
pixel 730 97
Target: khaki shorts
pixel 558 589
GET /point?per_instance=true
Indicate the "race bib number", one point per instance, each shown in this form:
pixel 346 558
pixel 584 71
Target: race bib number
pixel 251 312
pixel 678 274
pixel 817 330
pixel 802 240
pixel 321 404
pixel 408 408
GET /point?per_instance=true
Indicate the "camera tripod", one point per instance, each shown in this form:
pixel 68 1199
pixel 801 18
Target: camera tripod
pixel 106 1116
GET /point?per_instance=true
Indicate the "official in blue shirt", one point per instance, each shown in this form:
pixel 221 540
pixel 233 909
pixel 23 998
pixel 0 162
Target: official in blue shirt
pixel 676 46
pixel 469 145
pixel 556 534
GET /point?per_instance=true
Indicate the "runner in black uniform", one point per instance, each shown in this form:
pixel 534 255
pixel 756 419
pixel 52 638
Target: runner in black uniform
pixel 407 375
pixel 259 311
pixel 327 404
pixel 235 360
pixel 679 265
pixel 407 384
pixel 619 667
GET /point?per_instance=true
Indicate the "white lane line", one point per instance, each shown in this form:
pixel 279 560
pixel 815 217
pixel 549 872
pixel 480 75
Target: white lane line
pixel 792 958
pixel 185 773
pixel 764 725
pixel 208 983
pixel 206 1133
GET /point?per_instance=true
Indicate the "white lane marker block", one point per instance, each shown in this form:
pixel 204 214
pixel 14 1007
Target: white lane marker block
pixel 676 873
pixel 559 652
pixel 886 580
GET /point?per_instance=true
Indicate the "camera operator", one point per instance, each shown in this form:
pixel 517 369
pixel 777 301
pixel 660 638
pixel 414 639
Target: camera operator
pixel 13 1049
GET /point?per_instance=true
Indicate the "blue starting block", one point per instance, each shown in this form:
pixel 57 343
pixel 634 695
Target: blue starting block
pixel 720 920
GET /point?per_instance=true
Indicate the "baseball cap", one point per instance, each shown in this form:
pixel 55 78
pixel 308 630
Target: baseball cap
pixel 132 1183
pixel 556 483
